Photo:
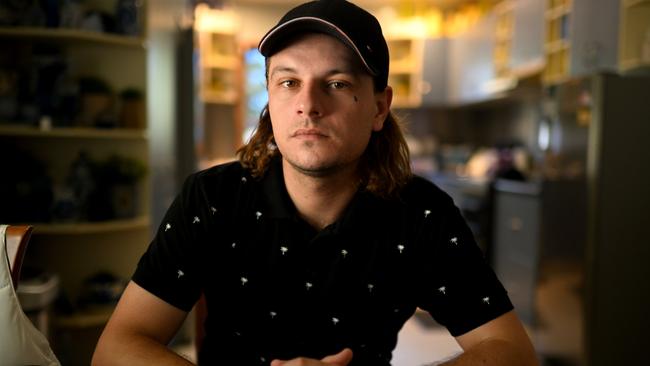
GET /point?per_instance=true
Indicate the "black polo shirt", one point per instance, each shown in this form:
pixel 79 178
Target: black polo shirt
pixel 277 288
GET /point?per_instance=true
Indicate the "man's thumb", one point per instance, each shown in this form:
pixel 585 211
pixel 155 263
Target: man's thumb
pixel 341 359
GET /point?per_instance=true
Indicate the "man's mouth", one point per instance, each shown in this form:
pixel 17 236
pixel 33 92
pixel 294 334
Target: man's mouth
pixel 308 132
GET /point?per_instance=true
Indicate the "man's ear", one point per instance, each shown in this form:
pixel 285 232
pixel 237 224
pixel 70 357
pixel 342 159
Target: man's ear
pixel 383 101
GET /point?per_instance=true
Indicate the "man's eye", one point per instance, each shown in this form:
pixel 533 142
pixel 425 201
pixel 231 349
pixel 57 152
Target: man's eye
pixel 288 83
pixel 337 85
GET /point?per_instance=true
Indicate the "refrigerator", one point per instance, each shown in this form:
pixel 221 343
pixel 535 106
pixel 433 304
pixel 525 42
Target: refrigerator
pixel 595 212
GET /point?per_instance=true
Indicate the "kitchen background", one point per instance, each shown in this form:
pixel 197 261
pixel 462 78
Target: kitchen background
pixel 534 115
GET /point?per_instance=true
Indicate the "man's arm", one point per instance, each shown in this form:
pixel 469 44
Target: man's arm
pixel 139 330
pixel 502 341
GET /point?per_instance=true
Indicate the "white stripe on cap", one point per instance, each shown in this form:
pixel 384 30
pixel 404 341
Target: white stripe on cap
pixel 354 46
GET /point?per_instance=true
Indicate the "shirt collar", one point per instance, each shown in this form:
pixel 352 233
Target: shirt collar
pixel 363 206
pixel 275 192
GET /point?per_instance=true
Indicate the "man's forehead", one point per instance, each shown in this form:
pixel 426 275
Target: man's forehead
pixel 292 54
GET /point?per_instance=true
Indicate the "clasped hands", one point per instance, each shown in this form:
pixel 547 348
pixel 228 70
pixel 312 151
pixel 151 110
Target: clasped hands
pixel 340 359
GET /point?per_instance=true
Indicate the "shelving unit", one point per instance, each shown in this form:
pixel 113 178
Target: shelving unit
pixel 25 130
pixel 503 38
pixel 218 126
pixel 557 44
pixel 634 49
pixel 111 226
pixel 75 248
pixel 121 62
pixel 405 74
pixel 575 42
pixel 219 67
pixel 74 36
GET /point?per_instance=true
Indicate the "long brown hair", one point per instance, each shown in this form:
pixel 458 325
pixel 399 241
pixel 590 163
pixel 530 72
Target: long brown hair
pixel 384 167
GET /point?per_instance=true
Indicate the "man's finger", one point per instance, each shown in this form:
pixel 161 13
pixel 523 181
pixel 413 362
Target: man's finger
pixel 342 358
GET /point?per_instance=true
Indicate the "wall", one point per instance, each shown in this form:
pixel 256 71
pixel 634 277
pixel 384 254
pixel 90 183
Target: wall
pixel 163 19
pixel 257 19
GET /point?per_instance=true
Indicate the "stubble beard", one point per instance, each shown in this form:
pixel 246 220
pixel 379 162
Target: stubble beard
pixel 319 169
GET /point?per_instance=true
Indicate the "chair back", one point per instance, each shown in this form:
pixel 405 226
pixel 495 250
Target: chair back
pixel 17 238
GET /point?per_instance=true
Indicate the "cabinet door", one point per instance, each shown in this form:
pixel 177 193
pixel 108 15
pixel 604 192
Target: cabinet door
pixel 594 41
pixel 470 62
pixel 434 72
pixel 515 252
pixel 528 34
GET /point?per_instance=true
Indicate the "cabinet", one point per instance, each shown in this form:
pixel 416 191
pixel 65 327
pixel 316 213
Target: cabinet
pixel 576 42
pixel 220 64
pixel 519 37
pixel 517 210
pixel 504 31
pixel 71 93
pixel 470 65
pixel 417 72
pixel 218 126
pixel 634 48
pixel 405 73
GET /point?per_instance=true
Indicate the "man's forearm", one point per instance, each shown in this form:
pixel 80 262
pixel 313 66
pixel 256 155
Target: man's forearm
pixel 493 352
pixel 134 351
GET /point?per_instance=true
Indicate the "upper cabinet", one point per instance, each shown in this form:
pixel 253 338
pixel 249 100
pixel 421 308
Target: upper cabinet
pixel 418 68
pixel 219 66
pixel 405 73
pixel 581 37
pixel 519 37
pixel 219 85
pixel 634 48
pixel 470 62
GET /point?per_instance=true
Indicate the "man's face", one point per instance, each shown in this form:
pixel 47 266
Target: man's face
pixel 322 105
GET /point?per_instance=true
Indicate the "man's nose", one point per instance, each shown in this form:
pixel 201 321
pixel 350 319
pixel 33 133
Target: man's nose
pixel 310 100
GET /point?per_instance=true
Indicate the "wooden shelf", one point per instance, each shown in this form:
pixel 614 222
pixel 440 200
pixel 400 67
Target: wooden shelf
pixel 630 3
pixel 71 36
pixel 402 67
pixel 558 11
pixel 405 70
pixel 634 64
pixel 73 132
pixel 634 41
pixel 78 228
pixel 557 45
pixel 222 62
pixel 218 98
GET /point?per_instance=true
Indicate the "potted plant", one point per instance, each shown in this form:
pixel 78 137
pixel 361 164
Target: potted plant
pixel 120 177
pixel 132 109
pixel 97 103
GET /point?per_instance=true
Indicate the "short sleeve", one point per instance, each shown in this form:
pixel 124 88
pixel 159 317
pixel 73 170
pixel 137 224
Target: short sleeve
pixel 169 267
pixel 456 284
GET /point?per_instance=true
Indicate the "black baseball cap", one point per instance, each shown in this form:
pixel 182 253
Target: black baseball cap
pixel 341 19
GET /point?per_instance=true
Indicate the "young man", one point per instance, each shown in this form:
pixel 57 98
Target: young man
pixel 318 245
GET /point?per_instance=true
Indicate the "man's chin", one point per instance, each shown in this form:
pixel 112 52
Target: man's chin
pixel 317 170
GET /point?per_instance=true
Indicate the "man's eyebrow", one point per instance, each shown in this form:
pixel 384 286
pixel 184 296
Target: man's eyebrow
pixel 285 69
pixel 290 70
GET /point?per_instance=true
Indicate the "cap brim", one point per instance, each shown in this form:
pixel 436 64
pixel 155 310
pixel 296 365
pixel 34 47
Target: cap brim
pixel 276 36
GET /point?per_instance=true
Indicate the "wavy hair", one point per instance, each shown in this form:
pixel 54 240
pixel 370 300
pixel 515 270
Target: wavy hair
pixel 384 166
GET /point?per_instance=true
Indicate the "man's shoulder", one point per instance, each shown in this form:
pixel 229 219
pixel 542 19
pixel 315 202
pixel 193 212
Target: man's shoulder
pixel 229 170
pixel 222 176
pixel 423 191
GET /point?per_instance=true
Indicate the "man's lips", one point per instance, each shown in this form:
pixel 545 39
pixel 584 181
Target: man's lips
pixel 308 132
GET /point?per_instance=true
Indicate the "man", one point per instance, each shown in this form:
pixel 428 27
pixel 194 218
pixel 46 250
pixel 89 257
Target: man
pixel 318 244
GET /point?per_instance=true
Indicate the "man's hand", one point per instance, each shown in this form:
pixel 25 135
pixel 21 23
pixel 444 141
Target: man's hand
pixel 340 359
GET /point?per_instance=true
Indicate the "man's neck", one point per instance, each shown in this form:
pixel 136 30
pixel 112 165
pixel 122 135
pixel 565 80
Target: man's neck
pixel 321 200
